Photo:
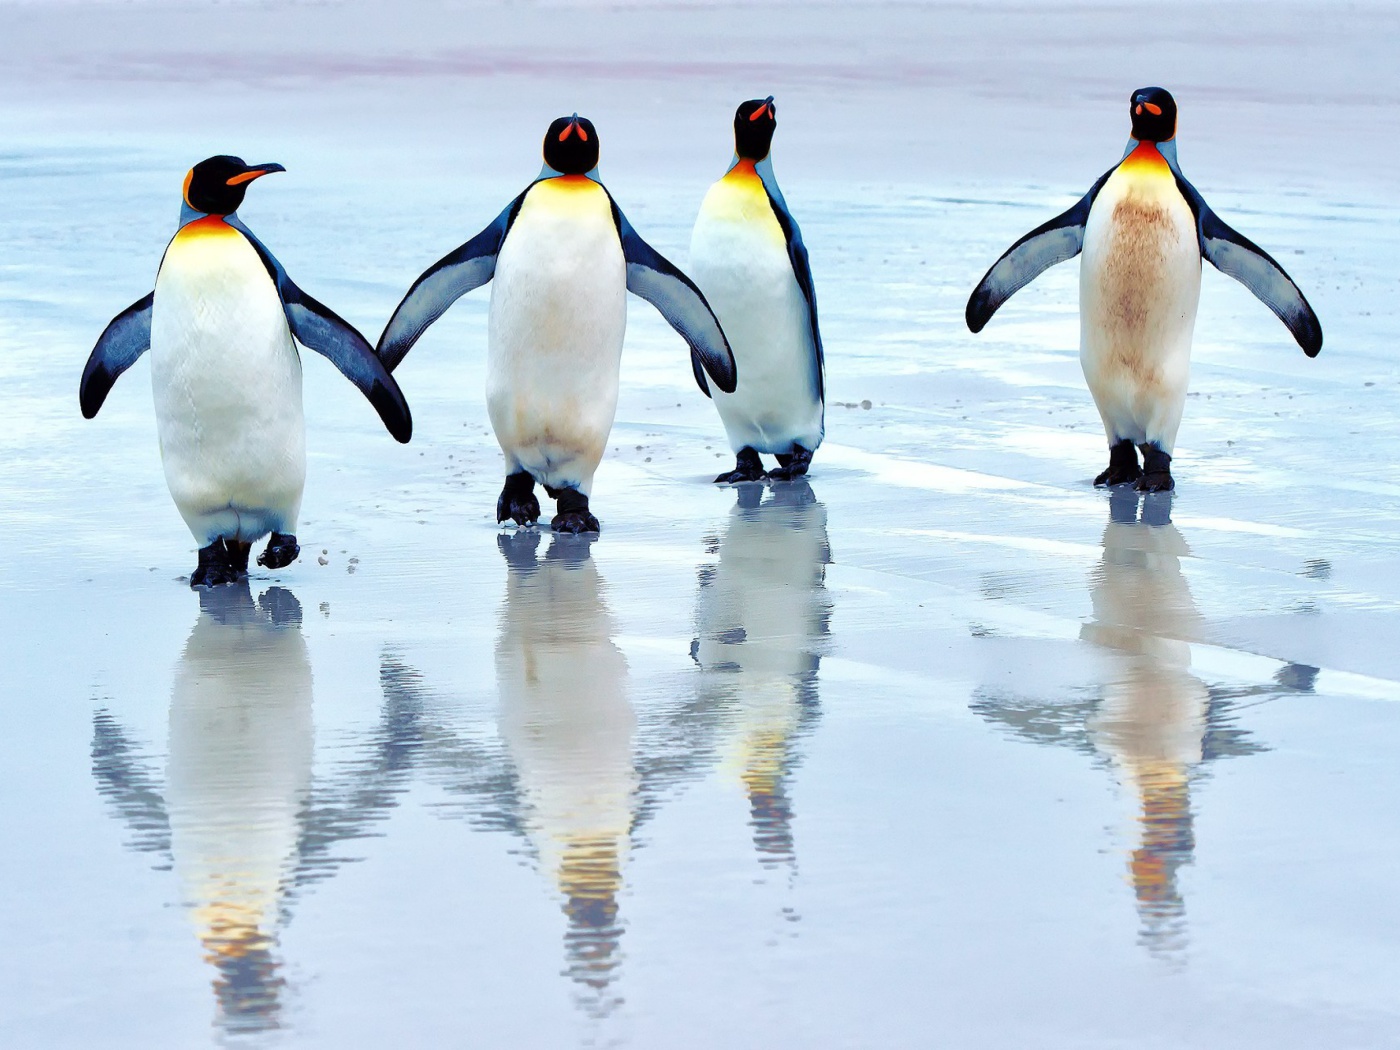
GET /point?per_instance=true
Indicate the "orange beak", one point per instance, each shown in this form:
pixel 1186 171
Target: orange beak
pixel 254 173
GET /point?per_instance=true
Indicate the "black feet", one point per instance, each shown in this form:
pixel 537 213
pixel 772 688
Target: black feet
pixel 1122 465
pixel 793 465
pixel 1156 471
pixel 517 502
pixel 222 562
pixel 281 551
pixel 574 516
pixel 747 467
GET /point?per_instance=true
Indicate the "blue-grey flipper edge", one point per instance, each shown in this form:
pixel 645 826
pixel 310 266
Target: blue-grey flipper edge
pixel 1060 239
pixel 319 328
pixel 653 277
pixel 121 343
pixel 1233 254
pixel 442 284
pixel 801 264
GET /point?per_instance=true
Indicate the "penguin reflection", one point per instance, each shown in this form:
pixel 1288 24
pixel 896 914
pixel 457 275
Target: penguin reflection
pixel 762 615
pixel 237 815
pixel 1155 721
pixel 238 776
pixel 1151 722
pixel 568 726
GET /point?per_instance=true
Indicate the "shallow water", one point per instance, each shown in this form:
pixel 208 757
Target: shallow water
pixel 942 745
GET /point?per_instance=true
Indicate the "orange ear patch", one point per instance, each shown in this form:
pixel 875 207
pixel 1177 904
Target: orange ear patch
pixel 185 190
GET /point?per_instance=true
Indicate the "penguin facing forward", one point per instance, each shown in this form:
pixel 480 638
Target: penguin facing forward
pixel 563 257
pixel 226 375
pixel 1143 230
pixel 747 256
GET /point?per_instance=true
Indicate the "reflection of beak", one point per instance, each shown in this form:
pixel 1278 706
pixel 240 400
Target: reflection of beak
pixel 257 171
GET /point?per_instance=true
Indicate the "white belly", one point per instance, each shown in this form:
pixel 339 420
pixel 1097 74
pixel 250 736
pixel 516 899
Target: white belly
pixel 557 319
pixel 739 260
pixel 1140 280
pixel 227 383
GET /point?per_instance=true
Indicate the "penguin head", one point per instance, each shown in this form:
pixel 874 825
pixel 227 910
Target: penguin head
pixel 1154 114
pixel 571 146
pixel 754 124
pixel 216 186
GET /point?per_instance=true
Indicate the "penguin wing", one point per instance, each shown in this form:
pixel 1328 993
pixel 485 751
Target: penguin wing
pixel 1058 240
pixel 801 266
pixel 1232 253
pixel 125 339
pixel 318 327
pixel 652 276
pixel 442 284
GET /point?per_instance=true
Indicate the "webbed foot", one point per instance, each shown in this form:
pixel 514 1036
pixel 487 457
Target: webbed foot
pixel 747 467
pixel 575 521
pixel 517 501
pixel 574 515
pixel 1156 471
pixel 218 565
pixel 281 550
pixel 1123 466
pixel 792 465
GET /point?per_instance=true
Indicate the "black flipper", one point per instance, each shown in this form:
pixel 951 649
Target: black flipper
pixel 801 265
pixel 318 327
pixel 659 282
pixel 1058 240
pixel 442 284
pixel 125 339
pixel 1236 255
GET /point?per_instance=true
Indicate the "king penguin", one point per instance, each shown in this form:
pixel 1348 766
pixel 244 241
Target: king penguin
pixel 563 257
pixel 747 256
pixel 227 377
pixel 1143 230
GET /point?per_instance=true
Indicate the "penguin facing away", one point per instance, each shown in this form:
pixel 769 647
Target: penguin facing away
pixel 1143 230
pixel 563 257
pixel 226 375
pixel 747 256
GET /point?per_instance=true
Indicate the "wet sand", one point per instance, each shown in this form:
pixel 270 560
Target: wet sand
pixel 943 746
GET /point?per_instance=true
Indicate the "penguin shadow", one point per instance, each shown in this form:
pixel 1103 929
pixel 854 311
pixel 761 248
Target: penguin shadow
pixel 236 813
pixel 569 731
pixel 762 616
pixel 1152 721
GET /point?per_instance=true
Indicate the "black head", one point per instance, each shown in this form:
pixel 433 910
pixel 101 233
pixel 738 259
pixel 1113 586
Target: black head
pixel 217 185
pixel 571 145
pixel 1154 114
pixel 754 124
